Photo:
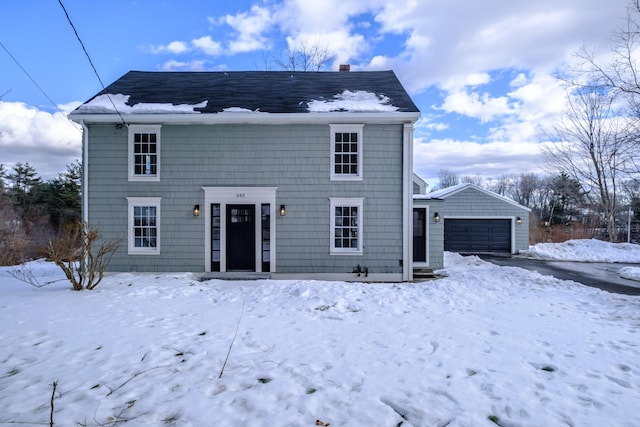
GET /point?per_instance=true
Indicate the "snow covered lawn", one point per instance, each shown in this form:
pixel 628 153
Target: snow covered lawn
pixel 485 345
pixel 586 250
pixel 590 250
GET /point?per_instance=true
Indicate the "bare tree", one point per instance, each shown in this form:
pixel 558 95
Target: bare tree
pixel 593 147
pixel 447 179
pixel 305 56
pixel 620 75
pixel 475 180
pixel 503 185
pixel 525 187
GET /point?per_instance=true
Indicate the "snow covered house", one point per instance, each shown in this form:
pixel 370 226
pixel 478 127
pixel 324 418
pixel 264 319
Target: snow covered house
pixel 288 174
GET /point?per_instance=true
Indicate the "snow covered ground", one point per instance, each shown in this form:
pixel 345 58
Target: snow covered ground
pixel 485 345
pixel 587 250
pixel 590 250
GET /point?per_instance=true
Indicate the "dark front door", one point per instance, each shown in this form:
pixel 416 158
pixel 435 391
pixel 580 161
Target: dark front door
pixel 419 235
pixel 241 238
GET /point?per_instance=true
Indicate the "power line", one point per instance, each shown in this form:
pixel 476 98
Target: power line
pixel 33 81
pixel 30 78
pixel 90 61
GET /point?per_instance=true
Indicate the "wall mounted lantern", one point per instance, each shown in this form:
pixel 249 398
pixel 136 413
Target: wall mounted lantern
pixel 196 210
pixel 518 220
pixel 436 217
pixel 283 210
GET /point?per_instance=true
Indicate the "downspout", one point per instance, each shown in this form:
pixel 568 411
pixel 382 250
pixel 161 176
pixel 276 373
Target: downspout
pixel 85 173
pixel 407 202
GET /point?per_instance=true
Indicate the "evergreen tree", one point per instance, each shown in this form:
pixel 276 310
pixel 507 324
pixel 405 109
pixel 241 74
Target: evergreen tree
pixel 23 191
pixel 61 197
pixel 566 196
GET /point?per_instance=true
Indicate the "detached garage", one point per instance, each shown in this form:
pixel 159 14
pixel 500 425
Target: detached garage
pixel 480 221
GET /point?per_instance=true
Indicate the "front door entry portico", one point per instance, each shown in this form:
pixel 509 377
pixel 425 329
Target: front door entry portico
pixel 241 238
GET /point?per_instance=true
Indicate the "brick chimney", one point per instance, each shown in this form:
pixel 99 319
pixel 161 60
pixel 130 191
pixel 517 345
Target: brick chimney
pixel 345 68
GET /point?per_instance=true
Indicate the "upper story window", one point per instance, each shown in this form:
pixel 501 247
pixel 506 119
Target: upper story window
pixel 144 225
pixel 144 153
pixel 346 152
pixel 346 226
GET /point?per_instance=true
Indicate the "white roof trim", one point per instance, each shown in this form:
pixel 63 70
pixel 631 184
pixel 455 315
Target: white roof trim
pixel 450 191
pixel 249 118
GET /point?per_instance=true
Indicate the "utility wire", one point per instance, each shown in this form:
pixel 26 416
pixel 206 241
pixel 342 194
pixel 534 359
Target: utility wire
pixel 30 78
pixel 90 61
pixel 34 82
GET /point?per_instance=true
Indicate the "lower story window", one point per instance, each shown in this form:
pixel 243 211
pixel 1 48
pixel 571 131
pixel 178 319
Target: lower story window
pixel 346 226
pixel 144 225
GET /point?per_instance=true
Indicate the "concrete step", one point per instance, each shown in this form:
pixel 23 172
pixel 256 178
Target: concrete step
pixel 235 275
pixel 423 273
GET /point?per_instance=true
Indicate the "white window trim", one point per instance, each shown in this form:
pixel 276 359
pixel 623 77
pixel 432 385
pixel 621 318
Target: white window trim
pixel 142 201
pixel 357 128
pixel 351 202
pixel 144 129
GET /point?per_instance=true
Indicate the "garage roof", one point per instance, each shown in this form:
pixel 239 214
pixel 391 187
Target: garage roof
pixel 450 191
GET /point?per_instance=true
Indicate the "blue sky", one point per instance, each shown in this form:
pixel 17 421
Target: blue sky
pixel 480 72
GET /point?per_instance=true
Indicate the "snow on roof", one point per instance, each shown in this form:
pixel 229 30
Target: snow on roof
pixel 446 192
pixel 436 194
pixel 357 101
pixel 102 104
pixel 242 110
pixel 278 92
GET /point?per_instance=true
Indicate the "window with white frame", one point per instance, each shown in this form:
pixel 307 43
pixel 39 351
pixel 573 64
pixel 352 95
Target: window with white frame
pixel 144 153
pixel 346 226
pixel 144 225
pixel 346 152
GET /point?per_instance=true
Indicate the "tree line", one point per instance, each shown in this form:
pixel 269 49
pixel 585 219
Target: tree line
pixel 33 211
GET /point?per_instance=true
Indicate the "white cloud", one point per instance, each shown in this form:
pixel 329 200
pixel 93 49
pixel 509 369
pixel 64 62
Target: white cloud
pixel 451 40
pixel 174 65
pixel 481 106
pixel 472 158
pixel 176 47
pixel 208 46
pixel 250 28
pixel 460 81
pixel 47 141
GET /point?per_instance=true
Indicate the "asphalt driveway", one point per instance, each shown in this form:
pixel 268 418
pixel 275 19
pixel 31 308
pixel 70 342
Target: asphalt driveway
pixel 598 275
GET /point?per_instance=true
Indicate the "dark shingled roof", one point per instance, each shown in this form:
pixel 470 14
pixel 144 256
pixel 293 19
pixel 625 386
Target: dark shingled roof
pixel 266 91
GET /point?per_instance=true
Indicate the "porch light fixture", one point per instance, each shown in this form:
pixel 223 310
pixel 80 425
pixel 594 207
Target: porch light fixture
pixel 196 210
pixel 436 217
pixel 518 220
pixel 283 210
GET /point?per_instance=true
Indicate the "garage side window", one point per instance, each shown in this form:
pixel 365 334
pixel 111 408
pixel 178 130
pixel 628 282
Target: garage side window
pixel 144 153
pixel 143 225
pixel 346 226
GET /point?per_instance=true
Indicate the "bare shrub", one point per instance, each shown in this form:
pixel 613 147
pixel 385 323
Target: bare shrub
pixel 77 254
pixel 13 240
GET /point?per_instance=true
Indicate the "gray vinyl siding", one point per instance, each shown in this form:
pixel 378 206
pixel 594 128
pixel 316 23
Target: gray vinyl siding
pixel 471 203
pixel 293 158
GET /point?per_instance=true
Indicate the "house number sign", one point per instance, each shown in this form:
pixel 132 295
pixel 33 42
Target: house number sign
pixel 239 195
